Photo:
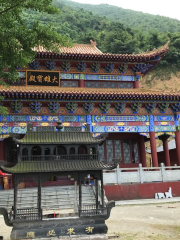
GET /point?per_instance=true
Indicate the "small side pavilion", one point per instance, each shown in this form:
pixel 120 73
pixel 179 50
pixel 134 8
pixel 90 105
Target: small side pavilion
pixel 43 154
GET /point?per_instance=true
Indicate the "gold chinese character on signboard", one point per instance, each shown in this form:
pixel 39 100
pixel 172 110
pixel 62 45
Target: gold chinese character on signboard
pixel 89 229
pixel 47 79
pixel 70 231
pixel 51 233
pixel 39 78
pixel 32 78
pixel 30 235
pixel 54 80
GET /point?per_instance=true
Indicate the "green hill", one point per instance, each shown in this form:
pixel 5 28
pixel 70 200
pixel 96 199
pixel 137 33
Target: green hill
pixel 80 25
pixel 130 18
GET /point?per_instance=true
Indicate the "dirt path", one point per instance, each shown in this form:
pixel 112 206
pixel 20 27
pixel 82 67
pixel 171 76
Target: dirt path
pixel 158 222
pixel 138 222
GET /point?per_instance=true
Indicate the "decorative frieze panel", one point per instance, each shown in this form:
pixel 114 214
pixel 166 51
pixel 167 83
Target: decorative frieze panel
pixel 175 107
pixel 35 106
pixel 92 84
pixel 71 107
pixel 95 67
pixel 109 85
pixel 66 66
pixel 140 67
pixel 81 66
pixel 7 130
pixel 88 107
pixel 109 67
pixel 97 129
pixel 139 129
pixel 26 118
pixel 167 118
pixel 150 107
pixel 120 118
pixel 164 128
pixel 94 77
pixel 163 107
pixel 120 107
pixel 125 84
pixel 16 106
pixel 69 83
pixel 83 118
pixel 135 107
pixel 34 65
pixel 105 106
pixel 50 65
pixel 53 107
pixel 122 68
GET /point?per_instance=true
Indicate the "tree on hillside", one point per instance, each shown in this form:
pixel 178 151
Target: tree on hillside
pixel 17 40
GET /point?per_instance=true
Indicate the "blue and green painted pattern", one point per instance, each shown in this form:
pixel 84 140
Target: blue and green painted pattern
pixel 77 118
pixel 74 76
pixel 165 123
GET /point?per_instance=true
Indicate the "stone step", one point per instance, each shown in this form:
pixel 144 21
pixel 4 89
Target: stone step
pixel 60 197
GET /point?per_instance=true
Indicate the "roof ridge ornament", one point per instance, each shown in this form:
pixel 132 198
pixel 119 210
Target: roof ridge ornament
pixel 94 44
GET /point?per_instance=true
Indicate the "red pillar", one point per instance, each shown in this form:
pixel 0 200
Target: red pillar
pixel 82 83
pixel 166 151
pixel 153 149
pixel 1 150
pixel 136 84
pixel 177 138
pixel 142 151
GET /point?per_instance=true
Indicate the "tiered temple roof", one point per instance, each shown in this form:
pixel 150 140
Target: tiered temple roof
pixel 91 52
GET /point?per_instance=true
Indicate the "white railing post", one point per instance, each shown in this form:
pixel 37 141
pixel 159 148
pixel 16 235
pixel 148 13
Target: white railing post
pixel 141 173
pixel 118 175
pixel 75 197
pixel 163 172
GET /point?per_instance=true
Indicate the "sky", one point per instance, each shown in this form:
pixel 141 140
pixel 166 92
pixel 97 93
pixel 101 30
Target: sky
pixel 168 8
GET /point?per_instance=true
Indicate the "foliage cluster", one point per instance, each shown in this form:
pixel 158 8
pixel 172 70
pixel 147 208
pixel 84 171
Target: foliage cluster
pixel 17 39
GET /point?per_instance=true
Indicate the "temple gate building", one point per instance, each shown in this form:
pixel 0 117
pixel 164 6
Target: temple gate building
pixel 81 85
pixel 43 154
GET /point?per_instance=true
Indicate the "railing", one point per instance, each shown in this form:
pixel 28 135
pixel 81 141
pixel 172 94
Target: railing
pixel 60 157
pixel 91 210
pixel 142 174
pixel 28 214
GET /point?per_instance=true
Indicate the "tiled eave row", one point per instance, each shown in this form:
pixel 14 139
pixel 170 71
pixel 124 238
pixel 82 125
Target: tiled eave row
pixel 30 92
pixel 101 57
pixel 90 52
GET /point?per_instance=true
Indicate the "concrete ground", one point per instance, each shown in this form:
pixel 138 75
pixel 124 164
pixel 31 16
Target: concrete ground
pixel 146 219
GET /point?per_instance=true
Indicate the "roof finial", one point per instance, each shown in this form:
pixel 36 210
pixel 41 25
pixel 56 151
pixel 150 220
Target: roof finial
pixel 93 43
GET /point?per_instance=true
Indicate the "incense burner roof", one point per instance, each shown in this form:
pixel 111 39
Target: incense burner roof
pixel 59 138
pixel 57 166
